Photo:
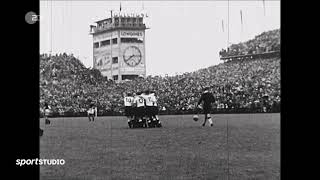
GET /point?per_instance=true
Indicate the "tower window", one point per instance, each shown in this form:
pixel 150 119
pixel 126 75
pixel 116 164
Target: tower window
pixel 114 41
pixel 115 60
pixel 131 40
pixel 96 45
pixel 105 43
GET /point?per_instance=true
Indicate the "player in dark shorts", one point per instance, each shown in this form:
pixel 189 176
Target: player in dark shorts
pixel 148 105
pixel 128 109
pixel 139 109
pixel 154 109
pixel 207 98
pixel 91 112
pixel 47 111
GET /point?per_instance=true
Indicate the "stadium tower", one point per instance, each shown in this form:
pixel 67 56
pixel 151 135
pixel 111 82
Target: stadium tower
pixel 119 46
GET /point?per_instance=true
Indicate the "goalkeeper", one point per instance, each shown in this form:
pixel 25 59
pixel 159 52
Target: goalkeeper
pixel 207 98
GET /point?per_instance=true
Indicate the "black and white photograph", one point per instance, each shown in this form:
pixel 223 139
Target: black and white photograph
pixel 159 90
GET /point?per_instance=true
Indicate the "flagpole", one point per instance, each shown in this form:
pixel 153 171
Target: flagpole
pixel 241 20
pixel 51 28
pixel 241 25
pixel 264 8
pixel 264 15
pixel 222 25
pixel 228 27
pixel 111 52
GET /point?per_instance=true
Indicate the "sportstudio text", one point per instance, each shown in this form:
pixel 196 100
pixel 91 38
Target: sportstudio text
pixel 21 162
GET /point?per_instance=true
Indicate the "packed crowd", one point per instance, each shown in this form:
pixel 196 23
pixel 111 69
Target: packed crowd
pixel 65 83
pixel 68 86
pixel 266 42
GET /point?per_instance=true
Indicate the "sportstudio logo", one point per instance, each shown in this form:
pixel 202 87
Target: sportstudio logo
pixel 32 17
pixel 21 162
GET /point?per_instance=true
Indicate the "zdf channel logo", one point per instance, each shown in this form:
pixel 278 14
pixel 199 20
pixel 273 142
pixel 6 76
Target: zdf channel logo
pixel 32 17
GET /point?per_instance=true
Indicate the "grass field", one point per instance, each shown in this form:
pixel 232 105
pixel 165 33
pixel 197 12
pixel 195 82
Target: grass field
pixel 182 149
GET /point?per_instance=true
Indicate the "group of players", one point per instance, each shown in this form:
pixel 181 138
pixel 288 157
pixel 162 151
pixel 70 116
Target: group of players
pixel 141 109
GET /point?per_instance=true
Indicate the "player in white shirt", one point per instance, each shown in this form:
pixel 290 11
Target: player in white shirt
pixel 155 110
pixel 47 112
pixel 128 110
pixel 149 106
pixel 139 109
pixel 91 112
pixel 143 95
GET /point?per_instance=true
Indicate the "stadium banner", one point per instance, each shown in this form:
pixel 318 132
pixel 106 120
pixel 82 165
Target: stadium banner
pixel 106 72
pixel 102 60
pixel 105 36
pixel 132 34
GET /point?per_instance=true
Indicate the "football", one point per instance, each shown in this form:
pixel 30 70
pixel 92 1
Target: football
pixel 195 118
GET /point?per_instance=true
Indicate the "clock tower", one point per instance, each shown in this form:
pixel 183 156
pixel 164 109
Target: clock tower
pixel 119 46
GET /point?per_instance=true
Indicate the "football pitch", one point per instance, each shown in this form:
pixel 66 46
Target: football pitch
pixel 181 149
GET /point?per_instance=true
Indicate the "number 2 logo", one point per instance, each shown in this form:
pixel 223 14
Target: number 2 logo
pixel 34 18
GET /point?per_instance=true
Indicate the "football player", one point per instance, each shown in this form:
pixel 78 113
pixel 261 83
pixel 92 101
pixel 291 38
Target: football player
pixel 144 96
pixel 47 111
pixel 40 132
pixel 128 110
pixel 91 112
pixel 149 105
pixel 155 110
pixel 207 98
pixel 139 104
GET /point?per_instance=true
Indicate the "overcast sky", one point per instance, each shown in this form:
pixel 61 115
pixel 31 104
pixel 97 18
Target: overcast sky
pixel 184 35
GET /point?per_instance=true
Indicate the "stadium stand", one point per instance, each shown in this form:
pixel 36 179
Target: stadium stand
pixel 242 86
pixel 266 42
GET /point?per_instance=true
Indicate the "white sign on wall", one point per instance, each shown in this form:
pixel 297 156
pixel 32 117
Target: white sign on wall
pixel 132 34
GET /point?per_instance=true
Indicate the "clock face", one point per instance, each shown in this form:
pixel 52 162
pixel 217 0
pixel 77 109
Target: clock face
pixel 132 56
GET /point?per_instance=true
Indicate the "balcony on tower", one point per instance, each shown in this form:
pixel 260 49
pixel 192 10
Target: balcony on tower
pixel 128 22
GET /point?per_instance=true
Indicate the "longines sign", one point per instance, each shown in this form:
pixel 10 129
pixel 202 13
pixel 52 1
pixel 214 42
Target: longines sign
pixel 131 34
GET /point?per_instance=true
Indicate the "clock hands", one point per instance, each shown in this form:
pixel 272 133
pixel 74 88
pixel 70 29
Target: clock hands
pixel 132 56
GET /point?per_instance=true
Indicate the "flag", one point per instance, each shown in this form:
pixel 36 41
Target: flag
pixel 222 26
